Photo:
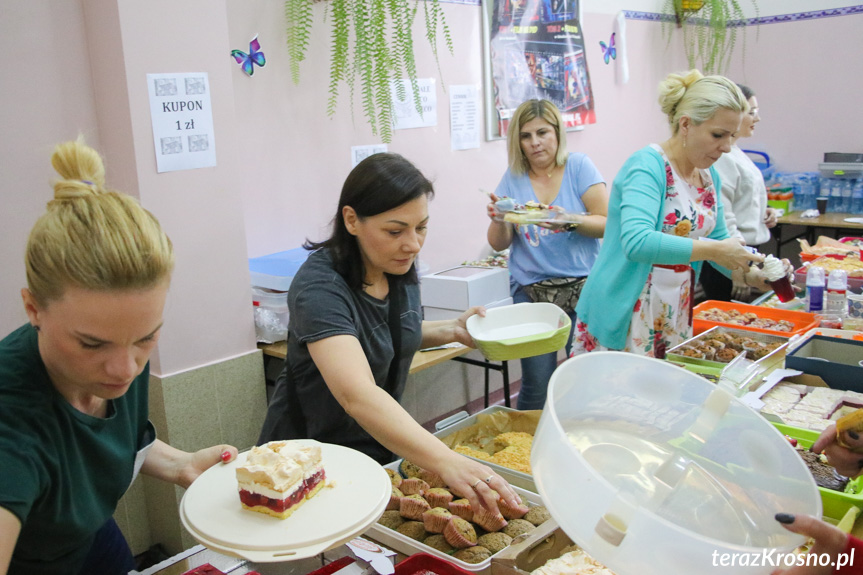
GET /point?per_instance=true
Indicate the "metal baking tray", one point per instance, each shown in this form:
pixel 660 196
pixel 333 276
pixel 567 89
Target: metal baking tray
pixel 462 420
pixel 770 360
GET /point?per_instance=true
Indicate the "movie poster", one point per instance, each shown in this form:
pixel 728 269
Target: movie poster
pixel 536 50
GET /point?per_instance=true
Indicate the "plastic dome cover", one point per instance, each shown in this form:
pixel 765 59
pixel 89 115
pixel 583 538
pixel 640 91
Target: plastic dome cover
pixel 653 470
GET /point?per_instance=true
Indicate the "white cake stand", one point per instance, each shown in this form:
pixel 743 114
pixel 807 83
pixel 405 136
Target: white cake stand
pixel 355 495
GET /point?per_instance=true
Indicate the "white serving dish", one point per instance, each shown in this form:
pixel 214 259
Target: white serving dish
pixel 653 470
pixel 355 495
pixel 520 330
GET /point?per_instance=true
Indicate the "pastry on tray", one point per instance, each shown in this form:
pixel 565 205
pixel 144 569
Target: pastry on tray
pixel 279 476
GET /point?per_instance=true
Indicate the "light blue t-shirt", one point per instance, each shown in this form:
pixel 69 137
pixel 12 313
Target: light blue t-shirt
pixel 537 253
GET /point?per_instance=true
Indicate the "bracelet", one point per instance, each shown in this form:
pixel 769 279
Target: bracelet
pixel 570 227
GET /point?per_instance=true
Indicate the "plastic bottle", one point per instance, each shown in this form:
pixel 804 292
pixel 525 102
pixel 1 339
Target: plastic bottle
pixel 835 202
pixel 815 289
pixel 847 187
pixel 857 197
pixel 836 300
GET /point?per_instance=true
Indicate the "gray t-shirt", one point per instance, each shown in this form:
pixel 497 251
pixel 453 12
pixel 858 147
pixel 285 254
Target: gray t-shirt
pixel 321 305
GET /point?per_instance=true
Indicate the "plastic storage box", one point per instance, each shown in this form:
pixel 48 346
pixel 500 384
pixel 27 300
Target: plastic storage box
pixel 837 361
pixel 802 321
pixel 276 271
pixel 834 503
pixel 653 470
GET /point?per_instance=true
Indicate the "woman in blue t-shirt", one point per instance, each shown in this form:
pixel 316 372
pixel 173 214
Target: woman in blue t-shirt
pixel 548 261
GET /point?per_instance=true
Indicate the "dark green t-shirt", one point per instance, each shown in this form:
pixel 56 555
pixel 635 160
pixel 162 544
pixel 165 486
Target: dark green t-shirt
pixel 61 471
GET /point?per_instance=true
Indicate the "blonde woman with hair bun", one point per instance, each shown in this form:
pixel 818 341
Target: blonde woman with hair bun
pixel 74 427
pixel 665 218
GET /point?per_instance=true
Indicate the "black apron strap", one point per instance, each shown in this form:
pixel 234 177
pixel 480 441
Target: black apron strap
pixel 394 323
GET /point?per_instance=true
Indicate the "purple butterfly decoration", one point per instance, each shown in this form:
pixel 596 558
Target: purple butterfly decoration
pixel 609 52
pixel 247 61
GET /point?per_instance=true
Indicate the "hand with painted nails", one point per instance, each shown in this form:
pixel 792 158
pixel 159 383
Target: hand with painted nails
pixel 829 542
pixel 846 460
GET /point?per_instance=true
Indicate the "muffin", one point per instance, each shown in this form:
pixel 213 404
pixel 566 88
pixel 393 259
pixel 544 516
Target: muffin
pixel 395 499
pixel 474 554
pixel 413 507
pixel 395 478
pixel 436 519
pixel 409 469
pixel 510 512
pixel 432 478
pixel 438 497
pixel 461 508
pixel 413 529
pixel 537 515
pixel 494 542
pixel 437 541
pixel 488 520
pixel 459 533
pixel 413 486
pixel 518 527
pixel 391 519
pixel 726 354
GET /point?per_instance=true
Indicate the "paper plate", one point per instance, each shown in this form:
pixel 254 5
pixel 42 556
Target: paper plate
pixel 356 493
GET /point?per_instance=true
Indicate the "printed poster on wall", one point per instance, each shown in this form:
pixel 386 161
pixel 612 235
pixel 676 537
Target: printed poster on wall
pixel 535 49
pixel 182 119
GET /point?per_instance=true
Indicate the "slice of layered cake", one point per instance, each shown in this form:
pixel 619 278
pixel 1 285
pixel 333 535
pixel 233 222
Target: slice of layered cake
pixel 279 476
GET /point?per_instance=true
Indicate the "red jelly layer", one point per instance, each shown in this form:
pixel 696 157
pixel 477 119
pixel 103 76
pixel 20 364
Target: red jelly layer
pixel 279 505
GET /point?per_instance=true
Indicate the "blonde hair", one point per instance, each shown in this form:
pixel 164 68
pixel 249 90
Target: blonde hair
pixel 527 111
pixel 698 97
pixel 91 237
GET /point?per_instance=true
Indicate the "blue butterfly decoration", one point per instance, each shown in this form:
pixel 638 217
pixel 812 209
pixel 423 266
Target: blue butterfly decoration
pixel 247 61
pixel 609 52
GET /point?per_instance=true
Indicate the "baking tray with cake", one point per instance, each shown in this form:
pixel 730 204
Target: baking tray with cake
pixel 401 529
pixel 478 436
pixel 752 318
pixel 720 345
pixel 838 493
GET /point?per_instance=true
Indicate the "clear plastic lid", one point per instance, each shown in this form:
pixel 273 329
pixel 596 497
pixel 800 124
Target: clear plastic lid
pixel 654 470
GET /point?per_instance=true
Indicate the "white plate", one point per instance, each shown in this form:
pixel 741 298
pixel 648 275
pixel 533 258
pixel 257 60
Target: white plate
pixel 854 220
pixel 357 491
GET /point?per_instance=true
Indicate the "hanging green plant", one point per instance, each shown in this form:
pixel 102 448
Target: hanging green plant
pixel 710 29
pixel 372 41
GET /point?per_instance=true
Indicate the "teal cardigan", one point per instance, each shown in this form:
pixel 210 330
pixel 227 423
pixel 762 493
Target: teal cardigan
pixel 632 244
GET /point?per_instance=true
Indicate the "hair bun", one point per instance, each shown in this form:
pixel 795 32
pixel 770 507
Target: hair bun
pixel 81 170
pixel 673 88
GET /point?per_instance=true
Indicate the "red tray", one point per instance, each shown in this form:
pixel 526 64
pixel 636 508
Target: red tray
pixel 425 564
pixel 802 321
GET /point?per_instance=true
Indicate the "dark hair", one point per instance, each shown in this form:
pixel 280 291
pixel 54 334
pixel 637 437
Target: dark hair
pixel 379 183
pixel 747 91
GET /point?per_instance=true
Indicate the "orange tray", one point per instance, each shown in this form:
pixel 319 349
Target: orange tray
pixel 804 257
pixel 802 321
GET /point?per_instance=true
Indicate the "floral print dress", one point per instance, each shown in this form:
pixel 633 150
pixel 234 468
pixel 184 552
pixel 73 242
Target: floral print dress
pixel 662 314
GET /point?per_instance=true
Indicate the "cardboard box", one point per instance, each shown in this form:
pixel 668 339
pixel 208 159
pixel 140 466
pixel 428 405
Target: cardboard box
pixel 544 543
pixel 437 313
pixel 837 361
pixel 462 287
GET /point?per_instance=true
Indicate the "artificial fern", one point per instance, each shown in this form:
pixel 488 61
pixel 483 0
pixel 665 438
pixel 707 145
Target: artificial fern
pixel 709 33
pixel 370 40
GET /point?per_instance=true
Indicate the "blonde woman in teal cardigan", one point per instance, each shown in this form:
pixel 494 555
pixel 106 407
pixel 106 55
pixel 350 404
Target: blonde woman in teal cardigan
pixel 663 203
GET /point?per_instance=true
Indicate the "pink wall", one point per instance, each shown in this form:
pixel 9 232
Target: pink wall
pixel 808 76
pixel 282 160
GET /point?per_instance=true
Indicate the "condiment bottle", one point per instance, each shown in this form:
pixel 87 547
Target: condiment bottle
pixel 815 289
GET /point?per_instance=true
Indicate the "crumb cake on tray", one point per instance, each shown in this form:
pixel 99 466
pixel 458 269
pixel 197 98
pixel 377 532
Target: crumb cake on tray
pixel 279 476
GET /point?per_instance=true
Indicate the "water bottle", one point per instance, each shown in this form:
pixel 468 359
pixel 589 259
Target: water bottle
pixel 824 184
pixel 847 187
pixel 836 300
pixel 835 202
pixel 857 197
pixel 815 289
